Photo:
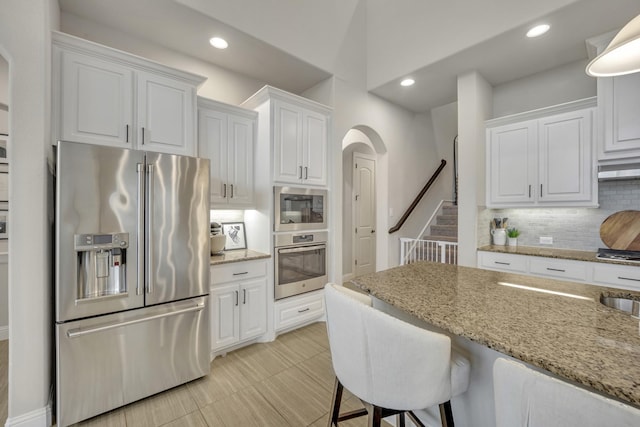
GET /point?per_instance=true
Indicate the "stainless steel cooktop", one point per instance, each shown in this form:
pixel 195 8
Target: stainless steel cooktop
pixel 618 255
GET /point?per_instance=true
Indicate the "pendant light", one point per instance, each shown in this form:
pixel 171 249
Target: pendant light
pixel 622 56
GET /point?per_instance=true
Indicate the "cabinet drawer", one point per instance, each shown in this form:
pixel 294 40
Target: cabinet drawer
pixel 237 271
pixel 617 276
pixel 503 262
pixel 298 310
pixel 561 269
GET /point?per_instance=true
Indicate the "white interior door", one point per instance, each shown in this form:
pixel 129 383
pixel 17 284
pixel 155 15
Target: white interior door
pixel 364 244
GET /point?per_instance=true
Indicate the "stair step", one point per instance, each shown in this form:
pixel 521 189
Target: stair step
pixel 447 220
pixel 444 230
pixel 441 238
pixel 450 210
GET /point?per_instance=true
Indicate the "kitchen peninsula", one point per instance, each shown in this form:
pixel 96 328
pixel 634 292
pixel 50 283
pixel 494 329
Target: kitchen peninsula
pixel 557 326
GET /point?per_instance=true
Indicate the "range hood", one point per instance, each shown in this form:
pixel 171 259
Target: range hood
pixel 618 172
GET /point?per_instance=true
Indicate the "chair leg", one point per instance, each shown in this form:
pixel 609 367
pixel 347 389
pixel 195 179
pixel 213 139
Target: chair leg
pixel 415 419
pixel 446 415
pixel 400 420
pixel 374 417
pixel 335 403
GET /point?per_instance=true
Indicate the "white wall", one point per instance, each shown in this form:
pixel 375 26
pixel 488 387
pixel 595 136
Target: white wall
pixel 222 84
pixel 25 42
pixel 556 86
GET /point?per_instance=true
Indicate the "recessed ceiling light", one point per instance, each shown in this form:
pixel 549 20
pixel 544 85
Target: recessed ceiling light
pixel 407 82
pixel 538 30
pixel 218 42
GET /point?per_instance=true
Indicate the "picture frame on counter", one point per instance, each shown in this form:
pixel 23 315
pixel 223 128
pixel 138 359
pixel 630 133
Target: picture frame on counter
pixel 4 223
pixel 236 236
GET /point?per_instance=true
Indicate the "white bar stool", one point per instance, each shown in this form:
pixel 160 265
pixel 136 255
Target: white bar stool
pixel 391 366
pixel 527 398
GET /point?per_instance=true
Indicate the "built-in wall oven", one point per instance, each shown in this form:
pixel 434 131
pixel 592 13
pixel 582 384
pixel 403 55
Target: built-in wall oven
pixel 299 209
pixel 300 263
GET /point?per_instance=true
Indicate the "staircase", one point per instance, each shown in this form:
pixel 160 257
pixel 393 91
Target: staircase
pixel 440 245
pixel 446 226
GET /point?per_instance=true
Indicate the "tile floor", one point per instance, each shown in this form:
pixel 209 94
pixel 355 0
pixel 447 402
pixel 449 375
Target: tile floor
pixel 287 382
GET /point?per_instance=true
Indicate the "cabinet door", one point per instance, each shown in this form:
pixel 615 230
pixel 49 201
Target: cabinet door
pixel 96 101
pixel 253 308
pixel 225 325
pixel 287 144
pixel 314 148
pixel 564 147
pixel 240 160
pixel 166 115
pixel 511 164
pixel 212 145
pixel 619 99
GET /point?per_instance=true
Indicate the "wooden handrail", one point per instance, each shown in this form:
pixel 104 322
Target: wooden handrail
pixel 415 202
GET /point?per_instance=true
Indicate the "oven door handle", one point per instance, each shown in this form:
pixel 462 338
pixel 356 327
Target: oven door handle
pixel 305 248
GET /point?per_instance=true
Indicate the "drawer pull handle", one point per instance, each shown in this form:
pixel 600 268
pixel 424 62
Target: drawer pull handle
pixel 302 311
pixel 502 263
pixel 628 278
pixel 556 269
pixel 240 274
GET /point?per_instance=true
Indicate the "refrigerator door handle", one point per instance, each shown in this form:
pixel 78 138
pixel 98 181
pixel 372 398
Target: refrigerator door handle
pixel 140 220
pixel 149 230
pixel 74 333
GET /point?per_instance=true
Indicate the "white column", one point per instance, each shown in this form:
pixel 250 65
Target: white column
pixel 474 107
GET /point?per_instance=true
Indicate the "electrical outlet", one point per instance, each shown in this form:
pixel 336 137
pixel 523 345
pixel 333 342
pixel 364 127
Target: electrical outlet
pixel 547 240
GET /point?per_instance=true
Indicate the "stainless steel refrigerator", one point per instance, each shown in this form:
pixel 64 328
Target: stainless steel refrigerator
pixel 132 276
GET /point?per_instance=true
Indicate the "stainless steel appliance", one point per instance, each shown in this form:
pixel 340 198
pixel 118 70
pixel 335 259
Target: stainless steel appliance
pixel 300 263
pixel 618 255
pixel 132 276
pixel 299 209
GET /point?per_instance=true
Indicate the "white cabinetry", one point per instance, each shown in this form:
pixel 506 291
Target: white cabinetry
pixel 298 131
pixel 226 136
pixel 238 303
pixel 294 312
pixel 545 161
pixel 109 97
pixel 618 110
pixel 599 273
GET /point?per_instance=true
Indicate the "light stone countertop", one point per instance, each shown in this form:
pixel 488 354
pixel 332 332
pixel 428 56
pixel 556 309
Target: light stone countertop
pixel 237 255
pixel 577 339
pixel 547 252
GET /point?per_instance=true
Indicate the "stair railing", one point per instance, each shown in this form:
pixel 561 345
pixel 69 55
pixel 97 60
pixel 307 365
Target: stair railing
pixel 403 250
pixel 415 202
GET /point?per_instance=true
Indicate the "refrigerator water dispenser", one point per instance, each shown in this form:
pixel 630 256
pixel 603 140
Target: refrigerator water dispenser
pixel 101 264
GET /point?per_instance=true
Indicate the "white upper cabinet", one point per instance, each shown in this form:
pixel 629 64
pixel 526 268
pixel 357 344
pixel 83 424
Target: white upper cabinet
pixel 618 111
pixel 298 131
pixel 511 163
pixel 226 136
pixel 109 97
pixel 544 161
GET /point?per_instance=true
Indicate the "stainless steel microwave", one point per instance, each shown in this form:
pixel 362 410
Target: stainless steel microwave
pixel 299 209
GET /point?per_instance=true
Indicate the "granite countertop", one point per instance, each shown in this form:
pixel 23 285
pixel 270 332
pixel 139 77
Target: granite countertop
pixel 574 338
pixel 553 253
pixel 237 255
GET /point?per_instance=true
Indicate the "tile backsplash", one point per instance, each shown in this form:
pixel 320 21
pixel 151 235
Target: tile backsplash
pixel 570 228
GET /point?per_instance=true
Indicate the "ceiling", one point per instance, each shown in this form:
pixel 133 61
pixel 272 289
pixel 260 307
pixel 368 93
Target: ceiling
pixel 293 46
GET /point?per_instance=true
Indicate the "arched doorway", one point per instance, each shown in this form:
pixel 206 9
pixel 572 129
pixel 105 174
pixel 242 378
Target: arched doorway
pixel 364 200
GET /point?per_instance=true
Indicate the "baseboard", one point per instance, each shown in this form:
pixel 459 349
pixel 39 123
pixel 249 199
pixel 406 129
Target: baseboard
pixel 37 418
pixel 4 333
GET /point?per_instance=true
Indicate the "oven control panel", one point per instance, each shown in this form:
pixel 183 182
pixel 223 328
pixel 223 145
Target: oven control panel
pixel 288 239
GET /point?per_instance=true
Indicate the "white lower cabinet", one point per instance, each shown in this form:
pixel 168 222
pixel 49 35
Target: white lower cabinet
pixel 597 273
pixel 296 311
pixel 238 303
pixel 502 262
pixel 617 276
